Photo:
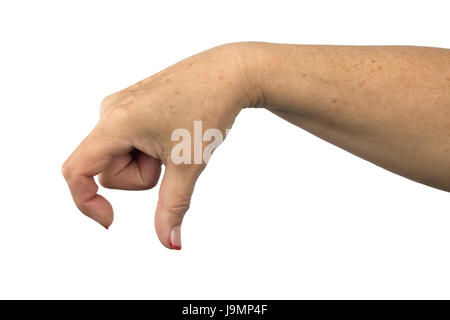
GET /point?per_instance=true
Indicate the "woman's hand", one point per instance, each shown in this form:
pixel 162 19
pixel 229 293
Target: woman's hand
pixel 136 131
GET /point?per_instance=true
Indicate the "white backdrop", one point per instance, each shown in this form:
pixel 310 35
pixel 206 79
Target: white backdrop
pixel 316 222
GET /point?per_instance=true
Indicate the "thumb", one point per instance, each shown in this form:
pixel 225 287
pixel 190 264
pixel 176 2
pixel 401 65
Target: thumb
pixel 174 199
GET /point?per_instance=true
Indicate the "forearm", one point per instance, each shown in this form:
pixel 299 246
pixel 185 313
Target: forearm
pixel 388 105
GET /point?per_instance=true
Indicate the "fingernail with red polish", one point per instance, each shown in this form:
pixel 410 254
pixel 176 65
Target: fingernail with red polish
pixel 175 238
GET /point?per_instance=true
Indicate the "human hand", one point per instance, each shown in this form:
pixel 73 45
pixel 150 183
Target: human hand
pixel 136 129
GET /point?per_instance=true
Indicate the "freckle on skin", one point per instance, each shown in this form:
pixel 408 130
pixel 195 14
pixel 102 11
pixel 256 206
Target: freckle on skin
pixel 380 67
pixel 303 75
pixel 220 77
pixel 373 61
pixel 334 100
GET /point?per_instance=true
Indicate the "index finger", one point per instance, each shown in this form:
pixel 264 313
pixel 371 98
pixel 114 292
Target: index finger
pixel 92 157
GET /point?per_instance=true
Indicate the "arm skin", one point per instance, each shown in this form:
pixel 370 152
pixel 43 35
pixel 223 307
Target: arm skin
pixel 388 105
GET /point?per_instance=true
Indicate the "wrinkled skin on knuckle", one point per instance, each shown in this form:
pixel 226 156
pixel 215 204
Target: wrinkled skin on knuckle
pixel 178 206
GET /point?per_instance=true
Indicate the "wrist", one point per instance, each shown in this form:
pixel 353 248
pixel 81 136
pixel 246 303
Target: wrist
pixel 248 66
pixel 282 76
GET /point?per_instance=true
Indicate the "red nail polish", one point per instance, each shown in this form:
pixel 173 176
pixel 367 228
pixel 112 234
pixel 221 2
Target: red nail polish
pixel 175 238
pixel 106 227
pixel 174 246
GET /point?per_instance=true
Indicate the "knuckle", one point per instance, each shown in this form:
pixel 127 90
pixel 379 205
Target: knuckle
pixel 65 170
pixel 179 205
pixel 107 102
pixel 120 114
pixel 119 103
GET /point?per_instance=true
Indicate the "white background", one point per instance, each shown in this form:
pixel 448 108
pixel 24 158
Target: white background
pixel 278 213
